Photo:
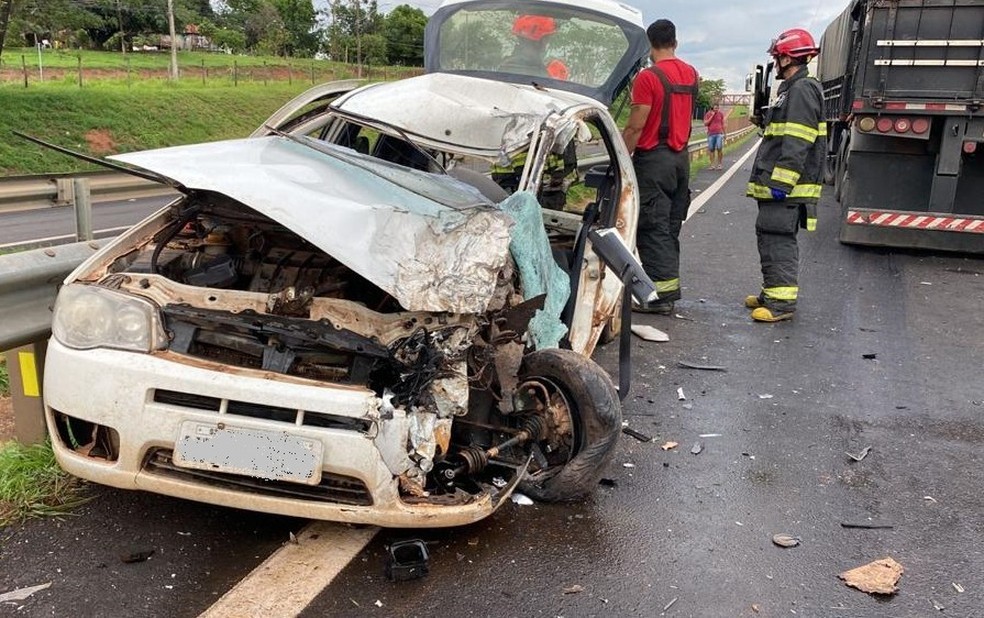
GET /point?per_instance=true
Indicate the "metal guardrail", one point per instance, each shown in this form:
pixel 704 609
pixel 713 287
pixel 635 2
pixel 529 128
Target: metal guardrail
pixel 29 281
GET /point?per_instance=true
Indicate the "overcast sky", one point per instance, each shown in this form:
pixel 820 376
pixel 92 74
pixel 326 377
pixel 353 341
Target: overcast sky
pixel 723 39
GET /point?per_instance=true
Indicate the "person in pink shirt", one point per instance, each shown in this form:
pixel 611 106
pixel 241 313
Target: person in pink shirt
pixel 714 121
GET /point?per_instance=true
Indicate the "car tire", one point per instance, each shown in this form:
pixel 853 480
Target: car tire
pixel 596 419
pixel 841 170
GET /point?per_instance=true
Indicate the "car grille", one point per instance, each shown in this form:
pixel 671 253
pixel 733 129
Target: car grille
pixel 277 414
pixel 334 488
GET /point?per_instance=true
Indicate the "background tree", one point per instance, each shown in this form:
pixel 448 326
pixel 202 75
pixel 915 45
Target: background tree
pixel 709 91
pixel 403 31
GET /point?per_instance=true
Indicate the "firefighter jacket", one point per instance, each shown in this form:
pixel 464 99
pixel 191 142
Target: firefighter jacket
pixel 794 144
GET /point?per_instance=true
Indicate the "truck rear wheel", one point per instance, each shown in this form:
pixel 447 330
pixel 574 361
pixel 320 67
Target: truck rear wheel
pixel 840 176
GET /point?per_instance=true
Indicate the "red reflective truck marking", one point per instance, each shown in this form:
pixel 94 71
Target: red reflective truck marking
pixel 923 222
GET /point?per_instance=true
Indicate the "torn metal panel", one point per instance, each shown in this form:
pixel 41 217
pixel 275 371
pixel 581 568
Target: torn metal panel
pixel 427 239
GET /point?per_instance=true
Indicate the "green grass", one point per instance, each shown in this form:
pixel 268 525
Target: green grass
pixel 138 118
pixel 32 484
pixel 4 378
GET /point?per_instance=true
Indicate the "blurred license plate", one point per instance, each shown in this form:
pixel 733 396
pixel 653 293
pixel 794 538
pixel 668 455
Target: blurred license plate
pixel 270 455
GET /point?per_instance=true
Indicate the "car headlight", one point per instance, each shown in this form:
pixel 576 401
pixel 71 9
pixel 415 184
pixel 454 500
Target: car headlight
pixel 88 316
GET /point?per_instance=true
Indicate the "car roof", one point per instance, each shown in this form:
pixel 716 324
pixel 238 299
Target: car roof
pixel 618 10
pixel 471 115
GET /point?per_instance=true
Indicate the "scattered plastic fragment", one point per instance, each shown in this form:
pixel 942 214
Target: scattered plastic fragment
pixel 669 445
pixel 766 396
pixel 499 482
pixel 937 605
pixel 957 587
pixel 407 560
pixel 697 448
pixel 929 499
pixel 670 604
pixel 684 317
pixel 756 608
pixel 379 603
pixel 709 435
pixel 574 589
pixel 22 593
pixel 925 283
pixel 864 453
pixel 690 365
pixel 608 482
pixel 137 556
pixel 680 395
pixel 868 525
pixel 785 540
pixel 183 533
pixel 649 333
pixel 292 539
pixel 641 437
pixel 878 577
pixel 871 356
pixel 687 406
pixel 521 499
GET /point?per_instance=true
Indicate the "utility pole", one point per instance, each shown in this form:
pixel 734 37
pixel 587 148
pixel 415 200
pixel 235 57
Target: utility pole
pixel 174 40
pixel 119 18
pixel 358 37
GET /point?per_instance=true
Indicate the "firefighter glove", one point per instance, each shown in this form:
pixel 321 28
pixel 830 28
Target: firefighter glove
pixel 778 194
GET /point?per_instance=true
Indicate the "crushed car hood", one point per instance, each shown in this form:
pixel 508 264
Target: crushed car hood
pixel 429 240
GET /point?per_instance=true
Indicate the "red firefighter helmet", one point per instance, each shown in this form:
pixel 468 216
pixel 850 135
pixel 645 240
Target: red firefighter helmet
pixel 534 27
pixel 795 43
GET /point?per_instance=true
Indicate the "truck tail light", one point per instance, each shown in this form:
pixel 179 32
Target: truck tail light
pixel 970 147
pixel 920 126
pixel 866 124
pixel 902 125
pixel 885 125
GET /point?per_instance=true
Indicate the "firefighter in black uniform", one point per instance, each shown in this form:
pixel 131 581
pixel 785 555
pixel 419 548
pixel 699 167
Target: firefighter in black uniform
pixel 786 175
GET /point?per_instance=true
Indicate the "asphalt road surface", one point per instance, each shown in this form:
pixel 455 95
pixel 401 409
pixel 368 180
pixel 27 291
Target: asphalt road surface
pixel 885 352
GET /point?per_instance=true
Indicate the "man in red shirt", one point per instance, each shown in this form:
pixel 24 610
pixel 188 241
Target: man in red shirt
pixel 657 134
pixel 714 121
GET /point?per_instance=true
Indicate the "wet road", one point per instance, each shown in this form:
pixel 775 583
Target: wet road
pixel 680 534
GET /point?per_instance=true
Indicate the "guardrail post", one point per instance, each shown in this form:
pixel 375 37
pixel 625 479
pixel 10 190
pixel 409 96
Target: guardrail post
pixel 83 210
pixel 26 366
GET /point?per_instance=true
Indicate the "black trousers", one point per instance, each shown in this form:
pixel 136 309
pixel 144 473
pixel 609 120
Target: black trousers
pixel 776 228
pixel 664 198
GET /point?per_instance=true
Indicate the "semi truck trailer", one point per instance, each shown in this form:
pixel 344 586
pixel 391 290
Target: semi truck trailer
pixel 903 84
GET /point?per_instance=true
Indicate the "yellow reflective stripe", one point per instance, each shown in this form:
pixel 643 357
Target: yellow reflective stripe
pixel 781 174
pixel 670 285
pixel 782 293
pixel 759 192
pixel 518 161
pixel 794 129
pixel 811 191
pixel 811 224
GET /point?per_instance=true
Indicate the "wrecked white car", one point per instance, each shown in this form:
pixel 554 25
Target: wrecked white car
pixel 344 317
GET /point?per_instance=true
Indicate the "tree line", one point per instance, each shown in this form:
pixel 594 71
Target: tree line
pixel 346 30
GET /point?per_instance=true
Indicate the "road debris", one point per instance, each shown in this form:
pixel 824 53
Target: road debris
pixel 785 540
pixel 690 365
pixel 929 499
pixel 684 317
pixel 137 556
pixel 870 356
pixel 697 448
pixel 608 482
pixel 688 406
pixel 670 604
pixel 666 446
pixel 499 482
pixel 864 453
pixel 649 333
pixel 680 395
pixel 756 608
pixel 378 603
pixel 641 437
pixel 937 605
pixel 765 396
pixel 957 587
pixel 869 525
pixel 521 499
pixel 628 464
pixel 576 588
pixel 407 560
pixel 878 577
pixel 709 435
pixel 292 539
pixel 22 593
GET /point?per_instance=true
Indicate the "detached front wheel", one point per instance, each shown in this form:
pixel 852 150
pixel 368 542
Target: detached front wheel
pixel 583 419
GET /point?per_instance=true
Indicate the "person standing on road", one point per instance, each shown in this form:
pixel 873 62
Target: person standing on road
pixel 786 175
pixel 714 121
pixel 657 134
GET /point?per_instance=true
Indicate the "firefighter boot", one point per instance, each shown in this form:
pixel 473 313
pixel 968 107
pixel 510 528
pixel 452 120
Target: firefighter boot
pixel 753 302
pixel 764 314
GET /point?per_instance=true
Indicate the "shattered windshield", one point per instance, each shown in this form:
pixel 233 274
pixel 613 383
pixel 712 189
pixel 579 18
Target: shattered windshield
pixel 559 43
